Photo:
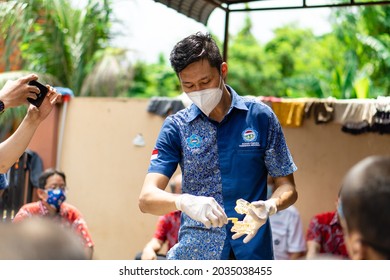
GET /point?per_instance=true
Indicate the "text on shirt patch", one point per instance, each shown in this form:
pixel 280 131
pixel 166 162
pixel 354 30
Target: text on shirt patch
pixel 194 141
pixel 250 136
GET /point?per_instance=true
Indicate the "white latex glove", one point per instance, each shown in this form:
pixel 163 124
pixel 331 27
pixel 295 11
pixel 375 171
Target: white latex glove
pixel 257 217
pixel 202 209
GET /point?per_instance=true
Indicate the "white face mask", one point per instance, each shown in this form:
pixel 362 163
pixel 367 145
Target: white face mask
pixel 207 99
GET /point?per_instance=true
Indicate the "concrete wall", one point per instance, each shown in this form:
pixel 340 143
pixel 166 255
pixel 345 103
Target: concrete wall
pixel 105 170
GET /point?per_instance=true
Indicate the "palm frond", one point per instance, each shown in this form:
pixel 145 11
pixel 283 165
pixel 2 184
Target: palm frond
pixel 111 76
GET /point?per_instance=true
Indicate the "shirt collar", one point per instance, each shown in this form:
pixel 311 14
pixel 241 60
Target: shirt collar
pixel 43 207
pixel 237 102
pixel 335 220
pixel 46 211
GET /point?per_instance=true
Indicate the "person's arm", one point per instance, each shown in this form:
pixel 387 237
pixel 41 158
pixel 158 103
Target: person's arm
pixel 13 147
pixel 295 255
pixel 151 248
pixel 313 249
pixel 285 193
pixel 15 93
pixel 153 198
pixel 313 237
pixel 279 163
pixel 89 252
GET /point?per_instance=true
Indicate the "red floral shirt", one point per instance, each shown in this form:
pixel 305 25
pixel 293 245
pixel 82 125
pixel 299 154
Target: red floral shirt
pixel 326 230
pixel 168 228
pixel 68 215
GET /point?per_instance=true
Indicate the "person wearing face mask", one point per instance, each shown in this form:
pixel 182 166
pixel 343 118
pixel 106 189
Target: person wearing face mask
pixel 52 195
pixel 225 145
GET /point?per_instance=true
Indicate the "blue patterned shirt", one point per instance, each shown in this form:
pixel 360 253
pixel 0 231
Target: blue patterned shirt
pixel 227 160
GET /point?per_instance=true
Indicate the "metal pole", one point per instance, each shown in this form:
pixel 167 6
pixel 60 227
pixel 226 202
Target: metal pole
pixel 226 39
pixel 65 99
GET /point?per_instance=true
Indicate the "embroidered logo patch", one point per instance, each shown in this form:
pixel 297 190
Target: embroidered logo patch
pixel 194 141
pixel 249 135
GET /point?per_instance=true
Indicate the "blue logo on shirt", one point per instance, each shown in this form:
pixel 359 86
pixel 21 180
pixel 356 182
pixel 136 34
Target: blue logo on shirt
pixel 249 135
pixel 194 141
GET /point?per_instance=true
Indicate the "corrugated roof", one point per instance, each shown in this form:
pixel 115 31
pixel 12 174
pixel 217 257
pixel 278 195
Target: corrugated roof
pixel 200 10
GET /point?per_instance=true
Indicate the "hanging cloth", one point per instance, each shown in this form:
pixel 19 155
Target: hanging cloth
pixel 358 116
pixel 322 110
pixel 290 113
pixel 381 121
pixel 164 106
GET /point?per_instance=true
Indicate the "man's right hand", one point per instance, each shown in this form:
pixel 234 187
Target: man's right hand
pixel 202 209
pixel 39 114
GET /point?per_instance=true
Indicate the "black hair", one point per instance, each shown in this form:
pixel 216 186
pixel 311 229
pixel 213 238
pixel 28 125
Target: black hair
pixel 194 48
pixel 365 199
pixel 48 173
pixel 40 238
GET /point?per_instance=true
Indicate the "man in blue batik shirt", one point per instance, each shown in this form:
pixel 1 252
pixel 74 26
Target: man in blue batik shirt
pixel 225 145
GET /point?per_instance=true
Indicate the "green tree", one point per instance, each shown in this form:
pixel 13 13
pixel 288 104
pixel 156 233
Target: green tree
pixel 289 52
pixel 156 79
pixel 55 40
pixel 365 34
pixel 112 75
pixel 245 62
pixel 351 61
pixel 63 40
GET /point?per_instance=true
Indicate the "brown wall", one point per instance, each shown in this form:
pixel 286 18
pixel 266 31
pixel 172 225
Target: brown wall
pixel 323 154
pixel 106 171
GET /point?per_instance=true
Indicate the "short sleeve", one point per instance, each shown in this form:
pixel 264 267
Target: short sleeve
pixel 278 158
pixel 167 150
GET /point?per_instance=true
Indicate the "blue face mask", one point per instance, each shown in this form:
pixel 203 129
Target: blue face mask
pixel 55 198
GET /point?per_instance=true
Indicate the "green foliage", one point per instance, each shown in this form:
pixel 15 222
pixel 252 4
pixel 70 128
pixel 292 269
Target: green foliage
pixel 154 80
pixel 290 51
pixel 111 76
pixel 350 62
pixel 72 44
pixel 365 33
pixel 245 61
pixel 56 38
pixel 12 29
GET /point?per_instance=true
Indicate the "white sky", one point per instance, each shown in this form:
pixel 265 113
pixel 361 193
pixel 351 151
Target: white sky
pixel 149 28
